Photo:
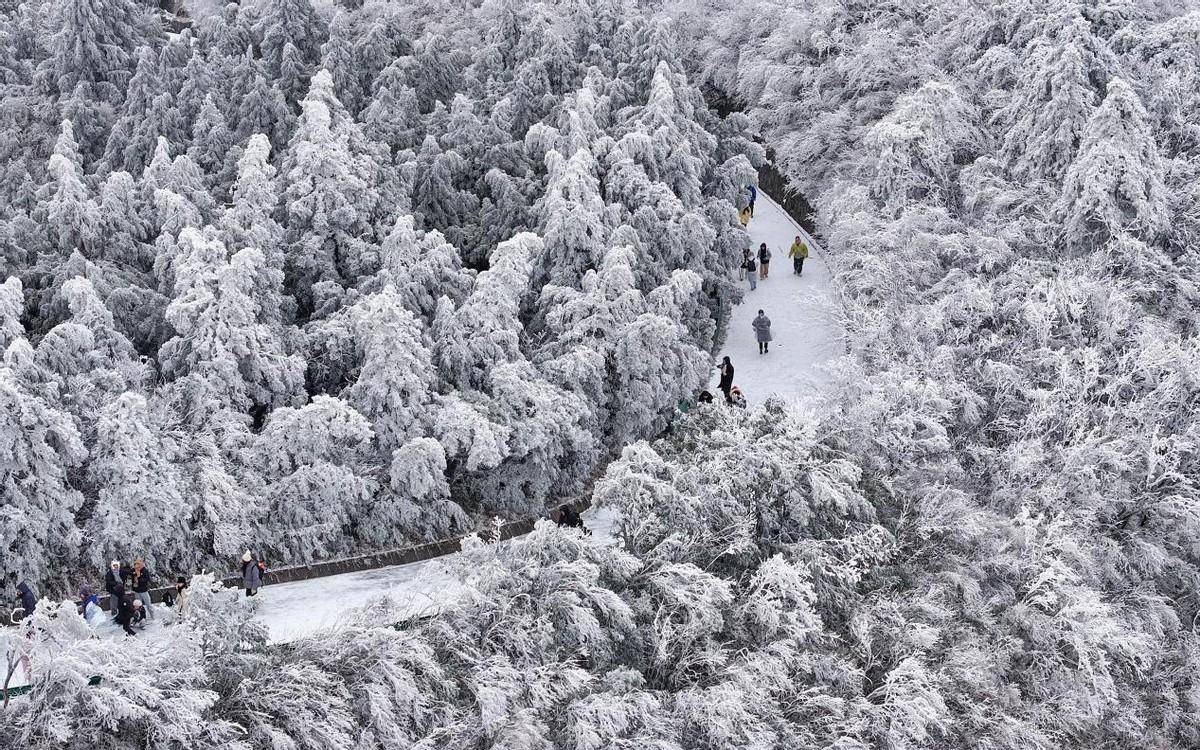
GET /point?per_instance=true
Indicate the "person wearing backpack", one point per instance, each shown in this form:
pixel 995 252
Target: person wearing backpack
pixel 798 252
pixel 764 260
pixel 751 269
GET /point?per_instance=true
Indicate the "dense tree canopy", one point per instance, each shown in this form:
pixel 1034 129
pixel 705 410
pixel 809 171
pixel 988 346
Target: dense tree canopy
pixel 317 217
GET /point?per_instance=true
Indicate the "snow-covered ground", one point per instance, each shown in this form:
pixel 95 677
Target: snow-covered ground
pixel 807 339
pixel 293 610
pixel 803 322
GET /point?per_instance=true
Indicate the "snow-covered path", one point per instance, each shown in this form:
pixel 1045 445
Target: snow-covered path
pixel 807 336
pixel 294 610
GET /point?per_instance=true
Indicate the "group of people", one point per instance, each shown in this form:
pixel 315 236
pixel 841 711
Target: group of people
pixel 757 266
pixel 129 593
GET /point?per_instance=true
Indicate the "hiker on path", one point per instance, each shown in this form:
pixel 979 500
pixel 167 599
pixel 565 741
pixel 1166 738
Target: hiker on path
pixel 140 583
pixel 28 599
pixel 753 195
pixel 749 266
pixel 726 382
pixel 762 331
pixel 745 215
pixel 746 255
pixel 764 260
pixel 181 596
pixel 569 518
pixel 252 571
pixel 114 584
pixel 798 253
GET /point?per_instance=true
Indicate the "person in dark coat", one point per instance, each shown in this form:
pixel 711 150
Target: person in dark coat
pixel 726 382
pixel 705 398
pixel 568 517
pixel 114 584
pixel 751 269
pixel 252 573
pixel 140 583
pixel 28 599
pixel 753 196
pixel 762 332
pixel 129 613
pixel 764 261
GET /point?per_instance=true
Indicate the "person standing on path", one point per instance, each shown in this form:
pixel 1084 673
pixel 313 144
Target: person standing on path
pixel 140 582
pixel 762 331
pixel 28 599
pixel 251 573
pixel 726 382
pixel 798 253
pixel 753 195
pixel 764 260
pixel 114 584
pixel 751 269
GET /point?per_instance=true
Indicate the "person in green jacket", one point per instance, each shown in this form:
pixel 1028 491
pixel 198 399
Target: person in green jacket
pixel 798 253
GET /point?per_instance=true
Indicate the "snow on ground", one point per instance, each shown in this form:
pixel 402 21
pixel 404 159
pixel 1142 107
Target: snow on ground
pixel 803 319
pixel 293 610
pixel 807 339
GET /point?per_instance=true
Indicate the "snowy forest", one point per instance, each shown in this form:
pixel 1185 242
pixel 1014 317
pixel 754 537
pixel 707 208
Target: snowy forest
pixel 316 284
pixel 322 279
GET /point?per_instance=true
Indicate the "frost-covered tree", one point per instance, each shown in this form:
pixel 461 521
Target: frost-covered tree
pixel 140 509
pixel 43 446
pixel 423 267
pixel 250 220
pixel 221 341
pixel 326 192
pixel 1115 184
pixel 571 213
pixel 485 330
pixel 92 42
pixel 293 22
pixel 314 459
pixel 395 381
pixel 1055 95
pixel 66 203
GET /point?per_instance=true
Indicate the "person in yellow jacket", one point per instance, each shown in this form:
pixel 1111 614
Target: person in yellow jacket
pixel 798 253
pixel 744 216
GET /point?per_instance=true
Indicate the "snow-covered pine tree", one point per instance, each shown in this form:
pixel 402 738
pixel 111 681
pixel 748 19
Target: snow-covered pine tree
pixel 314 459
pixel 1115 184
pixel 140 510
pixel 222 345
pixel 423 267
pixel 328 198
pixel 286 22
pixel 396 378
pixel 39 502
